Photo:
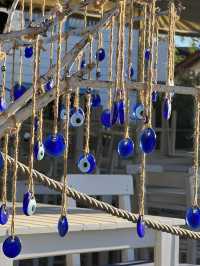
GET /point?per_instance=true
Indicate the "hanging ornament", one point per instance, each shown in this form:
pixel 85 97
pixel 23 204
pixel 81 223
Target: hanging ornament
pixel 83 64
pixel 77 117
pixel 54 145
pixel 131 73
pixel 3 104
pixel 100 54
pixel 29 204
pixel 138 112
pixel 1 161
pixel 28 52
pixel 63 114
pixel 4 214
pixel 121 113
pixel 87 163
pixel 12 247
pixel 63 226
pixel 39 151
pixel 125 147
pixel 96 100
pixel 140 227
pixel 154 96
pixel 148 140
pixel 105 118
pixel 193 218
pixel 19 90
pixel 98 73
pixel 147 54
pixel 49 85
pixel 114 113
pixel 3 68
pixel 167 108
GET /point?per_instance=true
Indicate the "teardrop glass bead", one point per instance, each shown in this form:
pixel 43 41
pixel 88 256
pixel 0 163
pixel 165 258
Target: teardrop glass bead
pixel 83 64
pixel 1 161
pixel 154 96
pixel 105 118
pixel 63 226
pixel 138 112
pixel 121 112
pixel 147 54
pixel 96 100
pixel 18 91
pixel 167 108
pixel 140 227
pixel 29 204
pixel 4 214
pixel 54 145
pixel 193 218
pixel 12 247
pixel 77 117
pixel 38 151
pixel 3 104
pixel 114 113
pixel 100 54
pixel 125 147
pixel 28 52
pixel 87 163
pixel 148 140
pixel 49 85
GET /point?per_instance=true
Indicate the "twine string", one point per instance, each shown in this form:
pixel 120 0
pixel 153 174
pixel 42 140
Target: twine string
pixel 110 68
pixel 5 170
pixel 87 124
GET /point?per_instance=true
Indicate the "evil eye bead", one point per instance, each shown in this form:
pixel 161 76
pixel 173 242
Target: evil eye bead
pixel 3 68
pixel 167 108
pixel 193 218
pixel 49 85
pixel 3 104
pixel 131 73
pixel 100 54
pixel 12 247
pixel 63 114
pixel 125 147
pixel 114 113
pixel 148 140
pixel 1 161
pixel 87 163
pixel 138 112
pixel 28 52
pixel 63 226
pixel 29 204
pixel 38 151
pixel 121 113
pixel 18 91
pixel 147 54
pixel 83 64
pixel 54 145
pixel 105 118
pixel 154 96
pixel 4 214
pixel 96 100
pixel 140 227
pixel 77 117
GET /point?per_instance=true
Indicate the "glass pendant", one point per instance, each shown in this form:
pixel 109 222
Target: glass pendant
pixel 28 52
pixel 193 218
pixel 131 73
pixel 125 147
pixel 167 108
pixel 12 247
pixel 4 214
pixel 38 151
pixel 18 91
pixel 1 161
pixel 87 163
pixel 148 140
pixel 29 204
pixel 105 118
pixel 114 113
pixel 121 113
pixel 3 68
pixel 147 54
pixel 36 124
pixel 63 114
pixel 54 145
pixel 96 100
pixel 49 85
pixel 83 64
pixel 100 54
pixel 98 73
pixel 3 104
pixel 154 96
pixel 138 112
pixel 63 226
pixel 77 117
pixel 140 227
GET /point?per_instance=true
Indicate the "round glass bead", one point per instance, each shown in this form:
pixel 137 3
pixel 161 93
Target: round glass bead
pixel 18 91
pixel 100 54
pixel 114 113
pixel 3 104
pixel 49 85
pixel 138 112
pixel 105 118
pixel 54 145
pixel 147 54
pixel 154 96
pixel 12 246
pixel 29 204
pixel 96 100
pixel 1 161
pixel 77 117
pixel 121 113
pixel 140 227
pixel 83 64
pixel 125 147
pixel 63 226
pixel 193 218
pixel 148 140
pixel 167 108
pixel 63 114
pixel 4 214
pixel 87 163
pixel 28 52
pixel 38 151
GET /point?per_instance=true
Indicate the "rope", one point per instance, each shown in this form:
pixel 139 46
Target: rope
pixel 51 47
pixel 110 67
pixel 130 36
pixel 76 98
pixel 12 82
pixel 87 125
pixel 3 90
pixel 20 49
pixel 31 10
pixel 5 170
pixel 43 8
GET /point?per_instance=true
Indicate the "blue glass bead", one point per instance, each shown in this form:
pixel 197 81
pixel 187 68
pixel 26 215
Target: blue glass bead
pixel 28 52
pixel 114 113
pixel 3 104
pixel 12 246
pixel 140 227
pixel 147 54
pixel 18 91
pixel 131 73
pixel 63 226
pixel 4 214
pixel 154 96
pixel 54 145
pixel 83 64
pixel 167 108
pixel 49 85
pixel 77 117
pixel 63 114
pixel 125 147
pixel 38 151
pixel 98 73
pixel 138 112
pixel 29 204
pixel 105 118
pixel 193 218
pixel 36 124
pixel 96 100
pixel 87 163
pixel 1 161
pixel 100 54
pixel 148 140
pixel 121 113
